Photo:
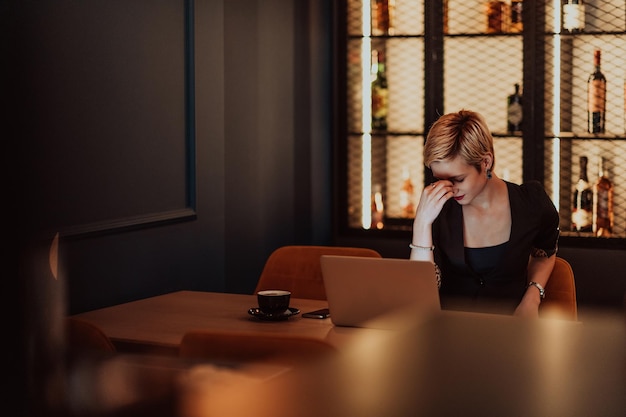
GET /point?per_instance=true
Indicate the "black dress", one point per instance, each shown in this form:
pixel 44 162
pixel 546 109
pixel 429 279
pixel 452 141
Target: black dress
pixel 494 279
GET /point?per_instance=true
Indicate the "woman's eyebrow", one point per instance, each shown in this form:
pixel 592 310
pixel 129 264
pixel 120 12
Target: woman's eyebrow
pixel 452 178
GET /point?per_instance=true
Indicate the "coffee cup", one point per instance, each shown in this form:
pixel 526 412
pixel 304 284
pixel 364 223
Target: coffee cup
pixel 273 301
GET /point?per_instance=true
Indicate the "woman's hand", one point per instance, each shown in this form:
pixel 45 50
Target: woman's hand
pixel 539 270
pixel 431 202
pixel 529 306
pixel 433 197
pixel 526 311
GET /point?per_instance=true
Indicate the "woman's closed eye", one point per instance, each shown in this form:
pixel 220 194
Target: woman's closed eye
pixel 452 180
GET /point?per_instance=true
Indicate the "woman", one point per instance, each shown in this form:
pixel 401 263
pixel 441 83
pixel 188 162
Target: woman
pixel 494 242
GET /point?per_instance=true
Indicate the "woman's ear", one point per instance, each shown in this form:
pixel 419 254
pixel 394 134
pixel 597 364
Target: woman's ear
pixel 488 161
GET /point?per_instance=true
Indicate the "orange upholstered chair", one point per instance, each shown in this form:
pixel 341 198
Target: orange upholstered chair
pixel 233 347
pixel 298 269
pixel 560 301
pixel 83 337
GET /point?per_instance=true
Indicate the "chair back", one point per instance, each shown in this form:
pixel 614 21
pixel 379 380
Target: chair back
pixel 560 300
pixel 84 337
pixel 298 269
pixel 231 347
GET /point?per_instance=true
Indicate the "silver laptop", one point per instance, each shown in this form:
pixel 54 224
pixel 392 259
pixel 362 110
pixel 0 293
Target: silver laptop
pixel 379 292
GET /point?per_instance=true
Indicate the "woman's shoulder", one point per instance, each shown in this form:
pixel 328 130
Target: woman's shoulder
pixel 529 188
pixel 531 193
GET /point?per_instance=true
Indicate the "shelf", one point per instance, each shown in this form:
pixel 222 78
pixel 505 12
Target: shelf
pixel 415 133
pixel 588 33
pixel 431 71
pixel 586 136
pixel 400 229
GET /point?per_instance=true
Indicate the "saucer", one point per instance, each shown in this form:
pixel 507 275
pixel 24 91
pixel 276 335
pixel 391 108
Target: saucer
pixel 256 312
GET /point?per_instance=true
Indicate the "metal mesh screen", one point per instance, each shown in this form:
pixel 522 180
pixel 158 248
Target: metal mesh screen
pixel 482 58
pixel 569 64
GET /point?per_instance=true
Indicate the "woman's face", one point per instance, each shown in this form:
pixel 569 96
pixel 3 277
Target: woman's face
pixel 466 181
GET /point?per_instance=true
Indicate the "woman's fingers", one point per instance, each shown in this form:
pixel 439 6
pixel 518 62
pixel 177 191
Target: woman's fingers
pixel 432 200
pixel 440 189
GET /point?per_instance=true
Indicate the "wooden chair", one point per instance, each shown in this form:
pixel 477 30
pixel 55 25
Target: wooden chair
pixel 560 301
pixel 298 269
pixel 85 338
pixel 237 348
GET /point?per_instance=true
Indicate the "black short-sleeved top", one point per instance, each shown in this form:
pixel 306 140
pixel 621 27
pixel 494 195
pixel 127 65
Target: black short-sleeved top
pixel 534 226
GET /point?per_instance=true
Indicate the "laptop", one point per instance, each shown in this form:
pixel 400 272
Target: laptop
pixel 379 292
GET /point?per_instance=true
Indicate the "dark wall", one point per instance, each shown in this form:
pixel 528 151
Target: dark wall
pixel 173 144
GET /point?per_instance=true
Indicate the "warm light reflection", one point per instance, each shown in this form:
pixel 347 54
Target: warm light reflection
pixel 366 125
pixel 556 110
pixel 554 354
pixel 209 391
pixel 53 256
pixel 367 381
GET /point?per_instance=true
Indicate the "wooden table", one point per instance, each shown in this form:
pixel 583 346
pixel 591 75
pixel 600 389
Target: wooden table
pixel 157 324
pixel 454 364
pixel 457 364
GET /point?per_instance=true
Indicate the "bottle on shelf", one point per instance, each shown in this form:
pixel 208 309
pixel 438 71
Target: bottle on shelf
pixel 582 207
pixel 407 195
pixel 497 16
pixel 382 17
pixel 596 97
pixel 514 111
pixel 574 16
pixel 380 92
pixel 516 25
pixel 603 202
pixel 378 208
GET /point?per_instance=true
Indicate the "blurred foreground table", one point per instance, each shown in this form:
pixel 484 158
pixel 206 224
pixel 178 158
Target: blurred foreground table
pixel 452 364
pixel 457 365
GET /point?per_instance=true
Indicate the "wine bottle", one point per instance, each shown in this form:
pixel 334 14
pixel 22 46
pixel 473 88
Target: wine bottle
pixel 582 208
pixel 378 208
pixel 496 16
pixel 514 111
pixel 574 16
pixel 516 25
pixel 382 17
pixel 406 195
pixel 603 202
pixel 380 93
pixel 596 97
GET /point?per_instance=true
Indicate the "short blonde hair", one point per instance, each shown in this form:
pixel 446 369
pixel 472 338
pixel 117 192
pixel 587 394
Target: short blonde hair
pixel 463 133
